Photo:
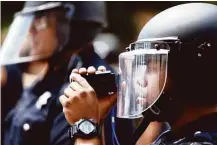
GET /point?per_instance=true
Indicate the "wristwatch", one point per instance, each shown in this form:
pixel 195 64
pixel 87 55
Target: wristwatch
pixel 85 128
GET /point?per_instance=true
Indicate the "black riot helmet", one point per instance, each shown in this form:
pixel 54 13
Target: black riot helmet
pixel 86 11
pixel 172 64
pixel 53 26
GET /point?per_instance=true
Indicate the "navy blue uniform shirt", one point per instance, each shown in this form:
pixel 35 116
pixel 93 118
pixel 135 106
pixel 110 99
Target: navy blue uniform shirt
pixel 37 118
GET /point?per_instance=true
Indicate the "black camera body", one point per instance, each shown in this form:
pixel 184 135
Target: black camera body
pixel 104 83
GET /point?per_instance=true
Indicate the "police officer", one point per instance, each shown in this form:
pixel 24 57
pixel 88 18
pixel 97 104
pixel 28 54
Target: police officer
pixel 176 50
pixel 51 32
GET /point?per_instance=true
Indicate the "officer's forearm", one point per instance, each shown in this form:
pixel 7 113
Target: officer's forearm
pixel 83 141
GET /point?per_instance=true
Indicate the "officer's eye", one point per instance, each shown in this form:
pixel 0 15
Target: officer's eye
pixel 151 69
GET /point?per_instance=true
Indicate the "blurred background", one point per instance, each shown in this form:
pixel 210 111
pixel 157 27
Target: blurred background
pixel 125 20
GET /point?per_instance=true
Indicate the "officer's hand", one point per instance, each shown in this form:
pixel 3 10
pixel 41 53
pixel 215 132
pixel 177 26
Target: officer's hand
pixel 81 102
pixel 105 103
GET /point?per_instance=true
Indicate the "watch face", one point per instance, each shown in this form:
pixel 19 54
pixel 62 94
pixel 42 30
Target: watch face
pixel 86 127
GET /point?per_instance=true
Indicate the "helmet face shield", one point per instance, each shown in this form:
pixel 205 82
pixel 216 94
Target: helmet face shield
pixel 143 74
pixel 34 36
pixel 16 42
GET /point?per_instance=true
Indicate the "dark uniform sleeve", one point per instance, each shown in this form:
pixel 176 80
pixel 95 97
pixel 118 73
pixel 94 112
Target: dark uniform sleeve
pixel 12 89
pixel 59 131
pixel 60 126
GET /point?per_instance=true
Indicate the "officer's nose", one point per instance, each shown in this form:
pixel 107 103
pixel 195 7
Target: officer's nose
pixel 144 80
pixel 145 84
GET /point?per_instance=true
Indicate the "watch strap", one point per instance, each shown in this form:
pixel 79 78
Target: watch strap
pixel 75 132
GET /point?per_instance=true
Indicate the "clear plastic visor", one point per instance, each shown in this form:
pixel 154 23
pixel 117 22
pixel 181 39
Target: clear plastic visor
pixel 142 78
pixel 17 45
pixel 33 37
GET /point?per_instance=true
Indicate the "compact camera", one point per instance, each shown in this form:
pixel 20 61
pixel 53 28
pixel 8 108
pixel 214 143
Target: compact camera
pixel 104 83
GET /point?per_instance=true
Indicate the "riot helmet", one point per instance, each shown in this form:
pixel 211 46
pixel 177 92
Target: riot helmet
pixel 45 28
pixel 172 63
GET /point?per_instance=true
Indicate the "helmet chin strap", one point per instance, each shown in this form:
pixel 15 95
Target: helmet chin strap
pixel 157 112
pixel 148 117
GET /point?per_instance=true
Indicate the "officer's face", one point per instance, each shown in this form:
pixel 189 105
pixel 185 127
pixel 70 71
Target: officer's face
pixel 43 40
pixel 149 83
